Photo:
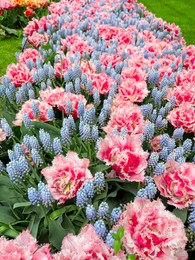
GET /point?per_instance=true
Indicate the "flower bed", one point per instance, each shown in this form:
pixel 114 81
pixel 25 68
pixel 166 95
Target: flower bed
pixel 97 152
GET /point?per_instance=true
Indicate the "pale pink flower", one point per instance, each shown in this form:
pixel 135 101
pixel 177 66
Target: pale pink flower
pixel 125 155
pixel 155 143
pixel 133 73
pixel 33 26
pixel 102 82
pixel 37 39
pixel 177 183
pixel 66 176
pixel 57 98
pixel 27 109
pixel 189 62
pixel 29 54
pixel 151 232
pixel 19 74
pixel 6 4
pixel 54 97
pixel 106 58
pixel 183 93
pixel 130 117
pixel 132 90
pixel 22 247
pixel 75 43
pixel 43 253
pixel 87 245
pixel 183 116
pixel 61 67
pixel 57 8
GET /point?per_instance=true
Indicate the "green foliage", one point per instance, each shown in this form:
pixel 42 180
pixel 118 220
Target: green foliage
pixel 179 12
pixel 117 239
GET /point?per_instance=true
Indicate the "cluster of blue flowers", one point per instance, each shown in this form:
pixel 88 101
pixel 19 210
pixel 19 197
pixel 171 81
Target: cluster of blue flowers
pixel 41 195
pixel 102 217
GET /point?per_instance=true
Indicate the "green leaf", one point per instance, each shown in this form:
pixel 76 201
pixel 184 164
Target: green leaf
pixel 57 232
pixel 54 215
pixel 115 236
pixel 100 168
pixel 117 246
pixel 120 232
pixel 131 257
pixel 113 194
pixel 21 204
pixel 181 213
pixel 11 233
pixel 6 215
pixel 34 224
pixel 52 130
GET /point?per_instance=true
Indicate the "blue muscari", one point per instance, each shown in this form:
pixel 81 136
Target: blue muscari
pixel 164 153
pixel 153 77
pixel 159 169
pixel 103 210
pixel 179 152
pixel 6 127
pixel 50 114
pixel 89 116
pixel 26 141
pixel 77 85
pixel 164 140
pixel 146 109
pixel 71 124
pixel 153 160
pixel 81 198
pixel 191 217
pixel 31 94
pixel 109 238
pixel 11 155
pixel 69 108
pixel 99 179
pixel 100 228
pixel 16 169
pixel 90 212
pixel 26 120
pixel 45 195
pixel 35 109
pixel 94 133
pixel 115 214
pixel 187 145
pixel 65 135
pixel 171 156
pixel 81 108
pixel 89 189
pixel 178 133
pixel 57 147
pixel 96 96
pixel 149 131
pixel 86 132
pixel 171 145
pixel 181 159
pixel 46 140
pixel 36 157
pixel 33 196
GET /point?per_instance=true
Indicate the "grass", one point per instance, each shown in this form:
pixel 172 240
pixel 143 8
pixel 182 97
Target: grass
pixel 180 12
pixel 8 47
